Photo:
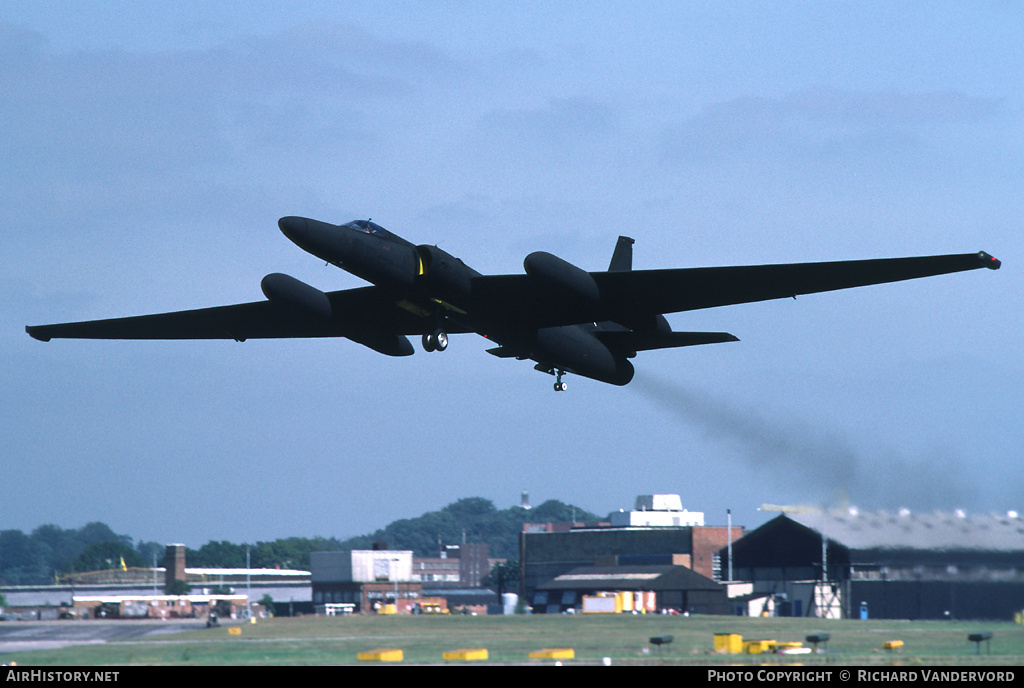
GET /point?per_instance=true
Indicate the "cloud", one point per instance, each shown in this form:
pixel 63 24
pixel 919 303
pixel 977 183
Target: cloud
pixel 567 123
pixel 821 122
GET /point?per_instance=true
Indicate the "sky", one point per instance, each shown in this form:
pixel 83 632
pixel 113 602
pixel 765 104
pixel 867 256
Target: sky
pixel 149 148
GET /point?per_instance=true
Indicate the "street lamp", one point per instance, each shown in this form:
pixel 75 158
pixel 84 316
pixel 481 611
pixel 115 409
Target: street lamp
pixel 394 577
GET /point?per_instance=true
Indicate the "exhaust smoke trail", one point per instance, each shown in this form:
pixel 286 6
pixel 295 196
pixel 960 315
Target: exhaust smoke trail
pixel 830 468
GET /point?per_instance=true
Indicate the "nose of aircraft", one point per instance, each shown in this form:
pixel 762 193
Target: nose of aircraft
pixel 294 228
pixel 319 238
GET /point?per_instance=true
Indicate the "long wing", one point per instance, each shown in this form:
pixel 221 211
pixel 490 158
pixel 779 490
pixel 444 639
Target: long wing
pixel 243 321
pixel 672 291
pixel 364 315
pixel 628 294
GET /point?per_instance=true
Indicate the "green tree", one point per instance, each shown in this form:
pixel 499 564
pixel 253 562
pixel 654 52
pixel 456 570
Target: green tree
pixel 20 562
pixel 217 554
pixel 178 587
pixel 49 549
pixel 473 518
pixel 96 532
pixel 103 556
pixel 150 552
pixel 504 576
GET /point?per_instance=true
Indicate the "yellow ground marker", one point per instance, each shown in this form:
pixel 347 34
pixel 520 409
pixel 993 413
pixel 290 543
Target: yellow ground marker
pixel 728 643
pixel 892 645
pixel 554 653
pixel 466 654
pixel 381 655
pixel 788 645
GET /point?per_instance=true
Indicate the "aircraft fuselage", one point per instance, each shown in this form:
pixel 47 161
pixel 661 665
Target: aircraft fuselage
pixel 438 287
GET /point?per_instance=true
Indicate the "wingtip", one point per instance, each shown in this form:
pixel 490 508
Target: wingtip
pixel 989 261
pixel 34 333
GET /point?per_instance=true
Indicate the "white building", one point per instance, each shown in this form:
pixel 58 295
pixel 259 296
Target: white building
pixel 361 566
pixel 658 510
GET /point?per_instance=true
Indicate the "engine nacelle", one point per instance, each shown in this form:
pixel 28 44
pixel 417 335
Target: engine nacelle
pixel 296 295
pixel 566 282
pixel 578 351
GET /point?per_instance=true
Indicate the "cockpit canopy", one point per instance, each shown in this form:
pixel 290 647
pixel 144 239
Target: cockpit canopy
pixel 368 227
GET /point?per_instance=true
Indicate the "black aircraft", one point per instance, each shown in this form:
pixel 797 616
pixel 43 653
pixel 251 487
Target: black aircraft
pixel 565 319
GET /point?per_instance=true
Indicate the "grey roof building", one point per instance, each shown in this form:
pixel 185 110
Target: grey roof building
pixel 887 565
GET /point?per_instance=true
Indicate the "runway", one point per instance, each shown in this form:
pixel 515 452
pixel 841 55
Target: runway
pixel 21 636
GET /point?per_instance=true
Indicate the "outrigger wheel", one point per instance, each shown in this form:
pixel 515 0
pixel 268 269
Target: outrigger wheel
pixel 435 341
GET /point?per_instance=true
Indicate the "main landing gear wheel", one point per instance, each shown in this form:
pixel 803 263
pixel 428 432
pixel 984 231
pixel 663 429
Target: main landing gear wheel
pixel 559 385
pixel 435 341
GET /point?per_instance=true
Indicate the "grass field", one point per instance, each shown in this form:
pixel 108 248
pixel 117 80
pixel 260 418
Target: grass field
pixel 622 638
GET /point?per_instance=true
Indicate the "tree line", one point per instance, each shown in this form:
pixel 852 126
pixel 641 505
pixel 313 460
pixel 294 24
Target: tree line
pixel 49 551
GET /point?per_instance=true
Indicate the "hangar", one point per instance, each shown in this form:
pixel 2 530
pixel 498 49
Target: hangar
pixel 675 588
pixel 902 565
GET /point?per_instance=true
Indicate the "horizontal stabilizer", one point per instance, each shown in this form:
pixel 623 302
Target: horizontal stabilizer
pixel 647 341
pixel 502 352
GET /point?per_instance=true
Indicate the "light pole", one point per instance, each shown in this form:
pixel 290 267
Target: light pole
pixel 248 586
pixel 394 577
pixel 728 518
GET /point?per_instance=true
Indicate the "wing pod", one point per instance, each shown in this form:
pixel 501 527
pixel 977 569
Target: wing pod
pixel 294 294
pixel 297 296
pixel 576 350
pixel 566 282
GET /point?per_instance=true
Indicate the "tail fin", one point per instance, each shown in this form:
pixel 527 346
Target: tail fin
pixel 622 258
